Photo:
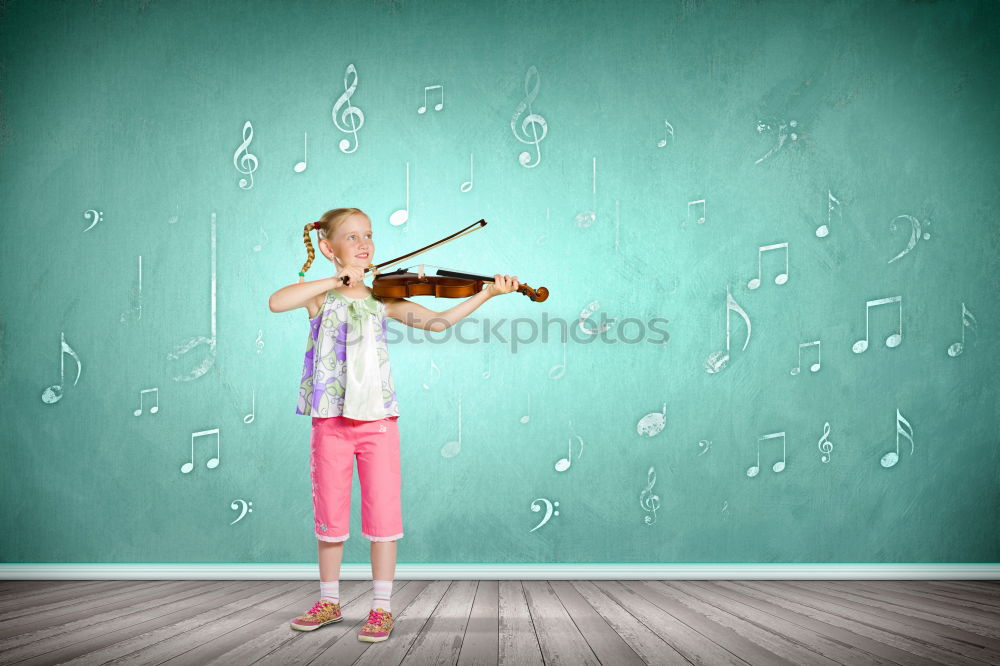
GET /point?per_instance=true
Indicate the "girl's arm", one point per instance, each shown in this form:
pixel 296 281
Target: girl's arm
pixel 300 294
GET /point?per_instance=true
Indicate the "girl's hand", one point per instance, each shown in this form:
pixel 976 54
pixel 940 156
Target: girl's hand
pixel 503 284
pixel 355 274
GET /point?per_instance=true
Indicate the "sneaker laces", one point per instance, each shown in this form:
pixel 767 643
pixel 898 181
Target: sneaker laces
pixel 376 617
pixel 318 606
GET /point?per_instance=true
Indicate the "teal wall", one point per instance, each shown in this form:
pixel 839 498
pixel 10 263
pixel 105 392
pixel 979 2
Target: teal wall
pixel 877 119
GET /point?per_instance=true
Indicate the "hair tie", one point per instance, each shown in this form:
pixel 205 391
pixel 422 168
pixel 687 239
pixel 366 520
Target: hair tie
pixel 316 225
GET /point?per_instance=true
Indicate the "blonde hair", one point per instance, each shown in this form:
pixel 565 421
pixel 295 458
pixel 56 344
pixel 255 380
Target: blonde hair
pixel 327 227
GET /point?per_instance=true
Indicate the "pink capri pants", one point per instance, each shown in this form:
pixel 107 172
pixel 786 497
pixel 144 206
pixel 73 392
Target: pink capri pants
pixel 335 443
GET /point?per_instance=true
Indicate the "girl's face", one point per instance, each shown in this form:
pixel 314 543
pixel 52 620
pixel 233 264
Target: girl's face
pixel 352 238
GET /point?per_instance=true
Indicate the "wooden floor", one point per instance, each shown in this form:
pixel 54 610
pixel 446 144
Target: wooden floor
pixel 506 622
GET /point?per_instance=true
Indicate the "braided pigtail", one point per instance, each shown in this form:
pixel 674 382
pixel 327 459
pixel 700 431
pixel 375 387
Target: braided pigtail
pixel 309 248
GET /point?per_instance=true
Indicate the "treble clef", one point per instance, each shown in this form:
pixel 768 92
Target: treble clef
pixel 647 500
pixel 247 161
pixel 351 112
pixel 532 118
pixel 824 444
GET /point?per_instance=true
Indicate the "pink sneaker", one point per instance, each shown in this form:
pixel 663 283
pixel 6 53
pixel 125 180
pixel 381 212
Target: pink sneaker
pixel 377 627
pixel 323 612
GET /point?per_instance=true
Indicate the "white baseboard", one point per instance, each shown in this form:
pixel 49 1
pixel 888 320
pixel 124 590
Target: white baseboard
pixel 776 571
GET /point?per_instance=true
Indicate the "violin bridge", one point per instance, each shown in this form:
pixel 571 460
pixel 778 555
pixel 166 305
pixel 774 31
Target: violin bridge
pixel 420 271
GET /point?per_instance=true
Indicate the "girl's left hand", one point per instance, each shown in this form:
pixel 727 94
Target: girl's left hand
pixel 503 284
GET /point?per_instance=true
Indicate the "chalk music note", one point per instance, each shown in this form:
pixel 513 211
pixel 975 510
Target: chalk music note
pixel 532 119
pixel 135 298
pixel 301 166
pixel 452 448
pixel 587 217
pixel 891 341
pixel 260 341
pixel 891 458
pixel 825 446
pixel 244 509
pixel 668 129
pixel 778 466
pixel 527 417
pixel 916 234
pixel 718 360
pixel 783 134
pixel 435 374
pixel 705 445
pixel 704 210
pixel 248 419
pixel 467 185
pixel 489 368
pixel 212 462
pixel 968 321
pixel 647 500
pixel 564 464
pixel 152 410
pixel 618 221
pixel 91 214
pixel 197 341
pixel 351 112
pixel 550 510
pixel 439 105
pixel 585 313
pixel 558 370
pixel 403 214
pixel 245 161
pixel 823 230
pixel 258 246
pixel 781 278
pixel 54 393
pixel 819 357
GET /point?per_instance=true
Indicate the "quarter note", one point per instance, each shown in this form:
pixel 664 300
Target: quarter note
pixel 532 119
pixel 355 114
pixel 527 417
pixel 253 407
pixel 403 214
pixel 439 105
pixel 781 278
pixel 452 448
pixel 301 166
pixel 778 466
pixel 717 361
pixel 152 410
pixel 968 321
pixel 54 393
pixel 247 163
pixel 212 462
pixel 819 357
pixel 894 339
pixel 558 370
pixel 891 458
pixel 467 185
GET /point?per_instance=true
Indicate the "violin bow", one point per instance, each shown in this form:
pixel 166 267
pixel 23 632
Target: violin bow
pixel 467 230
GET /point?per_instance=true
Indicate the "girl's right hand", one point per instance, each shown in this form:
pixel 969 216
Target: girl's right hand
pixel 355 274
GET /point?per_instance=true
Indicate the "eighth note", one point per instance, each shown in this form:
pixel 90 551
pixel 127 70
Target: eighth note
pixel 439 105
pixel 152 410
pixel 54 393
pixel 891 458
pixel 212 462
pixel 819 357
pixel 968 321
pixel 781 278
pixel 564 464
pixel 778 466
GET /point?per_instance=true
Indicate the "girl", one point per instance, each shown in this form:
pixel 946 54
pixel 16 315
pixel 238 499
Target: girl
pixel 348 390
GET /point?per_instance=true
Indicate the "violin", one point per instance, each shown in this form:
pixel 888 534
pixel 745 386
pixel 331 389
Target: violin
pixel 404 283
pixel 443 284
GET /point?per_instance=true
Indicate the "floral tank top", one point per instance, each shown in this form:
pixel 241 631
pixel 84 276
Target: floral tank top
pixel 325 381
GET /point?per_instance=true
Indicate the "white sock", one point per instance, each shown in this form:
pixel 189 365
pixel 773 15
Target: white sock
pixel 383 590
pixel 330 591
